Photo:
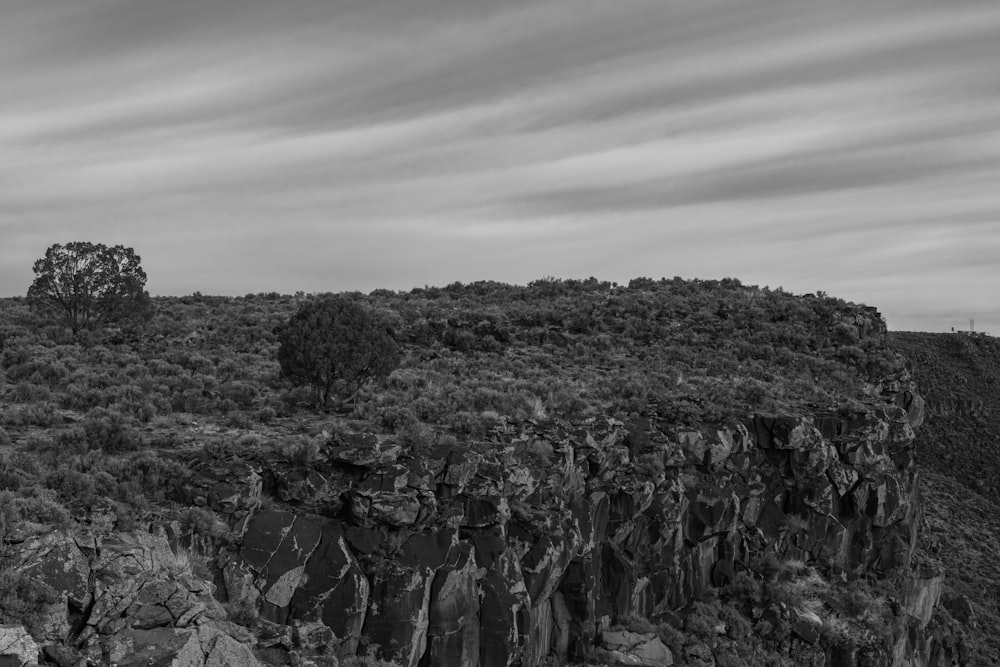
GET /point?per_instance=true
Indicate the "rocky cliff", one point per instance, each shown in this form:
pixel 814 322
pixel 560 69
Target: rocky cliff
pixel 542 547
pixel 689 473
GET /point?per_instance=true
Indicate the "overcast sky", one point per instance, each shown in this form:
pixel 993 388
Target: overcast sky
pixel 324 145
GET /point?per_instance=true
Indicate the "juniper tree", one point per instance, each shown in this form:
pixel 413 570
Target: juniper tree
pixel 90 285
pixel 335 345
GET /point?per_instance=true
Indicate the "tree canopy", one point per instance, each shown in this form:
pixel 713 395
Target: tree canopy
pixel 335 345
pixel 90 285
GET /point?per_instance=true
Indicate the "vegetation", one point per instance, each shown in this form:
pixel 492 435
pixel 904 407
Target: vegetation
pixel 115 427
pixel 335 345
pixel 88 286
pixel 211 371
pixel 959 376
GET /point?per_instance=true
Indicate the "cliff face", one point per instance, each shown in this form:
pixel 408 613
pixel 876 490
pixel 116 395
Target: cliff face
pixel 537 548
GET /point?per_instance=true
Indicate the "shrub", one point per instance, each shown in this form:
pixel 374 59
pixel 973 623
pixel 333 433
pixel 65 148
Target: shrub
pixel 240 393
pixel 335 345
pixel 72 485
pixel 41 505
pixel 203 522
pixel 9 518
pixel 266 414
pixel 415 437
pixel 25 392
pixel 243 613
pixel 303 451
pixel 33 414
pixel 107 430
pixel 23 600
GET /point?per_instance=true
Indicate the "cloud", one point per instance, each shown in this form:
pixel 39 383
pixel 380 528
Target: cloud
pixel 256 146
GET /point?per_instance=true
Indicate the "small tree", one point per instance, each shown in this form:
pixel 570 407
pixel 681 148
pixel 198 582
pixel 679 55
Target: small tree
pixel 336 345
pixel 89 285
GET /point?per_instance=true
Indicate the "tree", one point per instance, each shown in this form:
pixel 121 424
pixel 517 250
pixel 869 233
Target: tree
pixel 90 285
pixel 336 345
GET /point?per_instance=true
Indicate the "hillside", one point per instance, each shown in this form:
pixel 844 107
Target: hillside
pixel 957 446
pixel 571 471
pixel 959 376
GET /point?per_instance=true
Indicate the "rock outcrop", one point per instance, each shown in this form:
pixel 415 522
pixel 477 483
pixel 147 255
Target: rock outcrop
pixel 539 545
pixel 559 531
pixel 17 647
pixel 127 599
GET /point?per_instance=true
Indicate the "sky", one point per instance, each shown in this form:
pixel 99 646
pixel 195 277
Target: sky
pixel 244 146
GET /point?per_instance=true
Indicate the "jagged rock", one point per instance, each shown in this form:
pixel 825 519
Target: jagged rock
pixel 463 559
pixel 363 541
pixel 399 615
pixel 561 618
pixel 364 450
pixel 16 646
pixel 482 512
pixel 393 509
pixel 173 603
pixel 128 564
pixel 63 656
pixel 221 650
pixel 132 576
pixel 312 636
pixel 634 648
pixel 504 613
pixel 58 561
pixel 205 646
pixel 544 565
pixel 239 581
pixel 333 589
pixel 277 545
pixel 273 635
pixel 922 594
pixel 541 633
pixel 455 467
pixel 699 655
pixel 453 613
pixel 306 487
pixel 230 487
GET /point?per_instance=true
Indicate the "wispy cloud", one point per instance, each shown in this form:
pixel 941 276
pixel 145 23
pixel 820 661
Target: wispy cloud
pixel 247 145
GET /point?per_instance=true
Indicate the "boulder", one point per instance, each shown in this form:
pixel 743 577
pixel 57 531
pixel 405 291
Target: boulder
pixel 504 613
pixel 398 618
pixel 206 646
pixel 453 613
pixel 277 545
pixel 222 650
pixel 923 590
pixel 541 633
pixel 230 487
pixel 363 450
pixel 636 648
pixel 58 561
pixel 17 647
pixel 128 564
pixel 333 590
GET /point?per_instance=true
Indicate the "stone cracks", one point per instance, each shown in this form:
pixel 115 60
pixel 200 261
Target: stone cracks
pixel 531 549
